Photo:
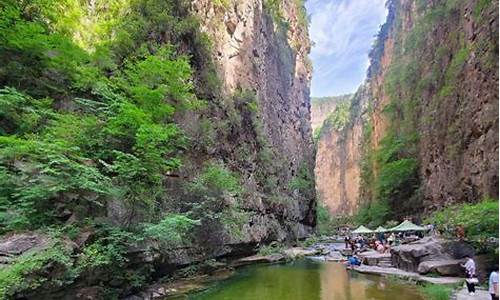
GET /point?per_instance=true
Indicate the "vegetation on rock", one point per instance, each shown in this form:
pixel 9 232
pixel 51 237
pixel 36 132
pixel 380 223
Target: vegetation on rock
pixel 392 173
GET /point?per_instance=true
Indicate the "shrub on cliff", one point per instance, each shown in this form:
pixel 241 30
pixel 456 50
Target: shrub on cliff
pixel 480 220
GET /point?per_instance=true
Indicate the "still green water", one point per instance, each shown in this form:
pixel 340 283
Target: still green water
pixel 305 280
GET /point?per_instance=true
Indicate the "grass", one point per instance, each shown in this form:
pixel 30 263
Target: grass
pixel 273 248
pixel 436 291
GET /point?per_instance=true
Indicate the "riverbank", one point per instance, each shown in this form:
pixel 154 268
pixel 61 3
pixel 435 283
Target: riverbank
pixel 320 251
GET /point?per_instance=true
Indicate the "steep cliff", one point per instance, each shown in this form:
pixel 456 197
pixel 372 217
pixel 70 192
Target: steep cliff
pixel 338 154
pixel 435 106
pixel 139 137
pixel 431 129
pixel 261 48
pixel 321 107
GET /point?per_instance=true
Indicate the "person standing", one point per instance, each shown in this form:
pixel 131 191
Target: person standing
pixel 391 239
pixel 347 240
pixel 493 284
pixel 470 274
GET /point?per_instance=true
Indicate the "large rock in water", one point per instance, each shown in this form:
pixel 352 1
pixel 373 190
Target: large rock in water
pixel 426 256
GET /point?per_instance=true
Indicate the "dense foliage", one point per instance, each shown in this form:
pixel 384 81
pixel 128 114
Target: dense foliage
pixel 87 120
pixel 480 220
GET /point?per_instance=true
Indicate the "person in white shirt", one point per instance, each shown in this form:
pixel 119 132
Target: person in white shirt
pixel 493 284
pixel 470 274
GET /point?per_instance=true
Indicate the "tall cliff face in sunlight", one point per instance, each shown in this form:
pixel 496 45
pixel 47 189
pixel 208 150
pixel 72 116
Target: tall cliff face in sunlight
pixel 322 107
pixel 338 154
pixel 431 127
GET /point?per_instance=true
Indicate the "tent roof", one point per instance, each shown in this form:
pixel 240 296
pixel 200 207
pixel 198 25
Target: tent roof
pixel 380 229
pixel 362 229
pixel 407 226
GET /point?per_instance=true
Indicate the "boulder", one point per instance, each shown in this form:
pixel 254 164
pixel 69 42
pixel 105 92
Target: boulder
pixel 409 256
pixel 335 256
pixel 301 252
pixel 446 267
pixel 430 255
pixel 17 244
pixel 346 252
pixel 373 258
pixel 254 259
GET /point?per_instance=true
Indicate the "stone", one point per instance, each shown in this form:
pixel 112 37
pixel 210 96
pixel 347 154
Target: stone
pixel 406 275
pixel 254 259
pixel 300 252
pixel 14 245
pixel 373 258
pixel 409 256
pixel 447 267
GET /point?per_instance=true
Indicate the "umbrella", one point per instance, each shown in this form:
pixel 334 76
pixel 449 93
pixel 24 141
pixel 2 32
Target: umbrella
pixel 362 230
pixel 380 229
pixel 407 226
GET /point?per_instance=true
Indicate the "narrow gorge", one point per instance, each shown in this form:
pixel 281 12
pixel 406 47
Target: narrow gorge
pixel 422 132
pixel 153 149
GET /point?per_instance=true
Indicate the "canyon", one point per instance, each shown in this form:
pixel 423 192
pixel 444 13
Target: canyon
pixel 425 133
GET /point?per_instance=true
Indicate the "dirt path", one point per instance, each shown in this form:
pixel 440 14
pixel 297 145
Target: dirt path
pixel 463 294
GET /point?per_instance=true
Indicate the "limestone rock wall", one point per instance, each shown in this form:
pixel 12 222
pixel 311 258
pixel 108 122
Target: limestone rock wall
pixel 322 107
pixel 432 88
pixel 252 52
pixel 339 151
pixel 455 96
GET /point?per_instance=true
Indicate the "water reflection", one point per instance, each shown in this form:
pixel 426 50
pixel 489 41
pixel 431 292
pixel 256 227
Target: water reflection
pixel 305 280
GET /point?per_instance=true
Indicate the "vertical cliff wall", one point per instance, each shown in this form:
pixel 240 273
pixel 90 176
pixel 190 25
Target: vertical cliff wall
pixel 338 154
pixel 431 129
pixel 435 100
pixel 322 107
pixel 260 48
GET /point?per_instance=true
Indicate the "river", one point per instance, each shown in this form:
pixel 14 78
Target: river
pixel 304 280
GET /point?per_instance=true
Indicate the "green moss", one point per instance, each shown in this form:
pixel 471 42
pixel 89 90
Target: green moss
pixel 303 181
pixel 456 64
pixel 340 117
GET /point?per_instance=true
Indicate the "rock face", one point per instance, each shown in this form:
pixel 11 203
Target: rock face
pixel 322 107
pixel 252 52
pixel 426 256
pixel 457 119
pixel 17 244
pixel 433 104
pixel 338 155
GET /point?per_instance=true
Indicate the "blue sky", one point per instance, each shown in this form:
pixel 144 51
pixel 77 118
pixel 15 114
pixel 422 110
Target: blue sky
pixel 343 32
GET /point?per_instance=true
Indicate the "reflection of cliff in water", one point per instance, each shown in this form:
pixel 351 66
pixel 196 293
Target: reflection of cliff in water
pixel 306 280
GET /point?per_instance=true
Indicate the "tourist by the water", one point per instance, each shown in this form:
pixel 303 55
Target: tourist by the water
pixel 460 232
pixel 347 240
pixel 353 260
pixel 493 283
pixel 470 274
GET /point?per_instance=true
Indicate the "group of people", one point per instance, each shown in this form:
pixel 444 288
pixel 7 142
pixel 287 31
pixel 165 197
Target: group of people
pixel 381 243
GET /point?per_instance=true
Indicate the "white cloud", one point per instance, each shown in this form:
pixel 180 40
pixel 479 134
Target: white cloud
pixel 342 31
